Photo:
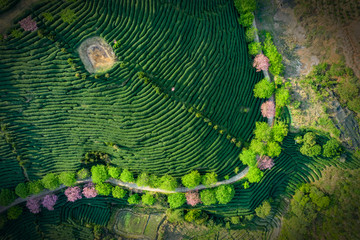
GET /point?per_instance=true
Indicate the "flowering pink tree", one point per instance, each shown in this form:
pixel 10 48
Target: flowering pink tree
pixel 265 162
pixel 49 201
pixel 192 198
pixel 268 109
pixel 89 190
pixel 73 193
pixel 261 62
pixel 28 24
pixel 33 204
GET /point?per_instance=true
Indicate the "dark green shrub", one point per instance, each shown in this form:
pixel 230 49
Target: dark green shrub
pixel 134 199
pixel 14 212
pixel 22 190
pixel 7 196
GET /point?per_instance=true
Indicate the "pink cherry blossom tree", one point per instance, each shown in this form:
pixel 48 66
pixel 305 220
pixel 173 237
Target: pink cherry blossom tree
pixel 28 24
pixel 268 109
pixel 265 162
pixel 89 190
pixel 261 62
pixel 73 194
pixel 49 201
pixel 192 198
pixel 33 204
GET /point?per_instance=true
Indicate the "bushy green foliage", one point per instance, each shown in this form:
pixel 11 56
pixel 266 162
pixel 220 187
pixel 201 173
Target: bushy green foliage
pixel 309 147
pixel 331 148
pixel 114 172
pixel 264 88
pixel 14 212
pixel 209 178
pixel 99 173
pixel 176 200
pixel 250 34
pixel 35 187
pixel 22 190
pixel 282 97
pixel 168 182
pixel 175 215
pixel 127 176
pixel 67 178
pixel 148 199
pixel 224 193
pixel 192 215
pixel 68 15
pixel 270 50
pixel 208 196
pixel 248 157
pixel 16 33
pixel 245 5
pixel 50 181
pixel 263 210
pixel 154 181
pixel 103 188
pixel 262 131
pixel 254 175
pixel 279 131
pixel 254 48
pixel 246 19
pixel 257 147
pixel 7 196
pixel 273 149
pixel 118 192
pixel 143 179
pixel 83 173
pixel 134 199
pixel 246 185
pixel 191 179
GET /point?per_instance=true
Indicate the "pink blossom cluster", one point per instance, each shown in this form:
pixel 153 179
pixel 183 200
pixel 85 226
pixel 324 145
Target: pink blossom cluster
pixel 261 62
pixel 73 194
pixel 268 109
pixel 49 201
pixel 89 190
pixel 192 198
pixel 28 24
pixel 265 162
pixel 33 204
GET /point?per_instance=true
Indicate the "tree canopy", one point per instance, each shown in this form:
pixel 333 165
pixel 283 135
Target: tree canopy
pixel 134 199
pixel 264 88
pixel 7 196
pixel 118 192
pixel 67 178
pixel 127 176
pixel 209 178
pixel 331 148
pixel 263 210
pixel 254 174
pixel 103 188
pixel 148 199
pixel 248 157
pixel 191 179
pixel 208 196
pixel 262 131
pixel 114 172
pixel 143 179
pixel 224 193
pixel 168 182
pixel 176 200
pixel 99 173
pixel 22 190
pixel 50 181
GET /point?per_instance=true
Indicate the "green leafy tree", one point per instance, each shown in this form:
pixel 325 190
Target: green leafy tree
pixel 246 185
pixel 118 192
pixel 35 187
pixel 22 190
pixel 103 188
pixel 273 149
pixel 148 199
pixel 279 131
pixel 68 15
pixel 143 179
pixel 83 173
pixel 282 97
pixel 154 181
pixel 114 172
pixel 191 179
pixel 254 175
pixel 99 174
pixel 176 200
pixel 331 148
pixel 14 212
pixel 263 210
pixel 192 215
pixel 225 193
pixel 50 181
pixel 309 147
pixel 209 178
pixel 127 176
pixel 7 196
pixel 270 50
pixel 248 157
pixel 262 131
pixel 235 220
pixel 208 196
pixel 264 89
pixel 254 48
pixel 168 182
pixel 175 215
pixel 67 178
pixel 245 5
pixel 258 147
pixel 246 19
pixel 250 34
pixel 134 199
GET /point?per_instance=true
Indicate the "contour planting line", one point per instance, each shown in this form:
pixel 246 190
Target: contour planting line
pixel 116 182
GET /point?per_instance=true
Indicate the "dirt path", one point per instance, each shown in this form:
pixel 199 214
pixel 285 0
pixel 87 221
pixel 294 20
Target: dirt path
pixel 7 17
pixel 235 178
